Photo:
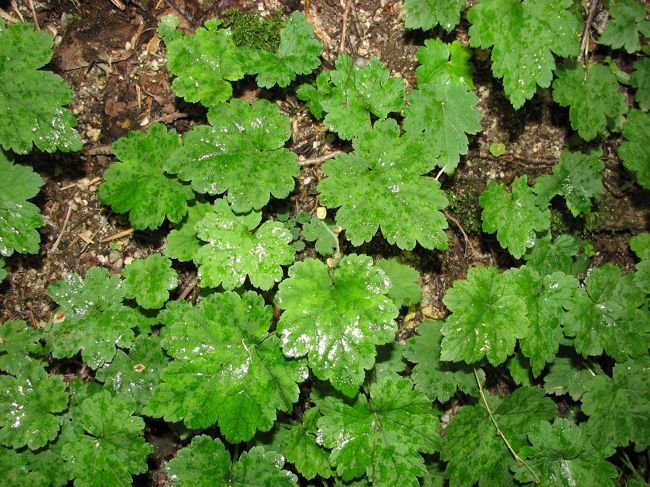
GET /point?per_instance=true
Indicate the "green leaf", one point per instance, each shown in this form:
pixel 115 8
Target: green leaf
pixel 609 314
pixel 303 450
pixel 634 151
pixel 593 97
pixel 388 363
pixel 640 79
pixel 95 321
pixel 519 369
pixel 381 437
pixel 20 347
pixel 240 152
pixel 438 380
pixel 136 374
pixel 560 255
pixel 487 317
pixel 336 318
pixel 28 406
pixel 226 367
pixel 628 19
pixel 350 94
pixel 46 467
pixel 137 184
pixel 299 53
pixel 182 242
pixel 440 62
pixel 203 63
pixel 238 246
pixel 545 297
pixel 404 288
pixel 382 185
pixel 167 28
pixel 206 463
pixel 426 14
pixel 473 449
pixel 618 407
pixel 578 178
pixel 109 446
pixel 515 217
pixel 314 230
pixel 523 37
pixel 440 114
pixel 567 375
pixel 31 100
pixel 19 218
pixel 18 471
pixel 640 245
pixel 561 455
pixel 3 272
pixel 150 280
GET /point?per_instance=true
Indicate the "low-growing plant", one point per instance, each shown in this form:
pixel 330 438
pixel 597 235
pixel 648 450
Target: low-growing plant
pixel 311 380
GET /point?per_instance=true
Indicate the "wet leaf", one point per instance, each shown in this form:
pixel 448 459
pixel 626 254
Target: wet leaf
pixel 440 62
pixel 182 242
pixel 567 375
pixel 627 21
pixel 20 347
pixel 634 151
pixel 404 288
pixel 426 14
pixel 150 280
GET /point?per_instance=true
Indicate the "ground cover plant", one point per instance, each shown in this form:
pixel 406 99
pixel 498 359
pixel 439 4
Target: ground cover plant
pixel 295 353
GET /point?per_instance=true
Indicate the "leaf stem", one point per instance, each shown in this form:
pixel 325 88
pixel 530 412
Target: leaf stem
pixel 337 253
pixel 628 463
pixel 500 433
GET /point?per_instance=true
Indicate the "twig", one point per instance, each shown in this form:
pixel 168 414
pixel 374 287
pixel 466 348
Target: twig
pixel 440 172
pixel 344 28
pixel 187 289
pixel 65 223
pixel 337 253
pixel 31 6
pixel 500 433
pixel 584 45
pixel 15 9
pixel 104 150
pixel 468 244
pixel 115 236
pixel 628 463
pixel 319 159
pixel 8 17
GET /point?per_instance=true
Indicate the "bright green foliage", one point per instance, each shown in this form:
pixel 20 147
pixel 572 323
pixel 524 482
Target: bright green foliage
pixel 610 314
pixel 240 152
pixel 578 178
pixel 628 19
pixel 635 150
pixel 28 406
pixel 167 28
pixel 203 62
pixel 519 369
pixel 238 246
pixel 19 218
pixel 19 347
pixel 183 243
pixel 138 185
pixel 515 217
pixel 303 450
pixel 593 97
pixel 640 244
pixel 3 273
pixel 33 469
pixel 206 463
pixel 404 288
pixel 150 280
pixel 566 375
pixel 298 53
pixel 314 230
pixel 640 79
pixel 381 437
pixel 471 446
pixel 440 62
pixel 350 94
pixel 618 407
pixel 226 367
pixel 438 380
pixel 108 445
pixel 336 318
pixel 381 185
pixel 545 297
pixel 523 37
pixel 388 363
pixel 426 14
pixel 440 114
pixel 136 374
pixel 31 100
pixel 497 149
pixel 560 255
pixel 250 29
pixel 96 321
pixel 487 317
pixel 562 455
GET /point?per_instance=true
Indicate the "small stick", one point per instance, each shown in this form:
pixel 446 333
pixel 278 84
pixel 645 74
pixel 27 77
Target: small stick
pixel 103 150
pixel 500 433
pixel 462 230
pixel 318 160
pixel 8 17
pixel 584 45
pixel 31 6
pixel 187 289
pixel 15 9
pixel 65 223
pixel 344 28
pixel 440 172
pixel 115 236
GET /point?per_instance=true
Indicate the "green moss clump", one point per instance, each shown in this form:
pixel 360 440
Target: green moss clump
pixel 249 29
pixel 466 209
